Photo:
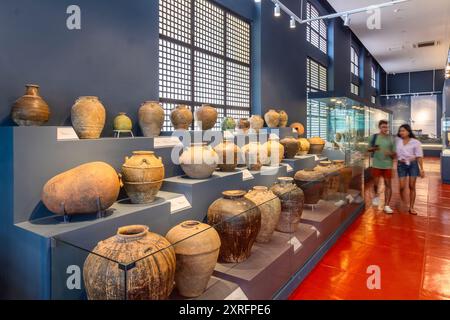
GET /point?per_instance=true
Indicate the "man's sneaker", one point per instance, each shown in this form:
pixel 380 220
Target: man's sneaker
pixel 376 201
pixel 388 210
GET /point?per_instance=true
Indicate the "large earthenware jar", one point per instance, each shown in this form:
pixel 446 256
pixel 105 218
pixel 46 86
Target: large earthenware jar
pixel 122 122
pixel 303 146
pixel 228 155
pixel 181 117
pixel 272 118
pixel 275 152
pixel 270 207
pixel 346 175
pixel 292 200
pixel 312 182
pixel 256 123
pixel 255 156
pixel 331 175
pixel 298 127
pixel 291 147
pixel 199 161
pixel 238 222
pixel 206 117
pixel 30 109
pixel 244 125
pixel 317 145
pixel 88 117
pixel 151 278
pixel 228 123
pixel 142 176
pixel 197 249
pixel 89 188
pixel 151 118
pixel 283 119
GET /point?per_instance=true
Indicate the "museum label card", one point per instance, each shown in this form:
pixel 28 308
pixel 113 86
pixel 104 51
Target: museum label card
pixel 288 167
pixel 166 142
pixel 316 230
pixel 179 203
pixel 247 175
pixel 66 133
pixel 295 243
pixel 237 294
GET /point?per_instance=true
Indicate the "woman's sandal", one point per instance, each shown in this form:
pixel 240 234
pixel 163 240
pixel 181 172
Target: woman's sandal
pixel 413 212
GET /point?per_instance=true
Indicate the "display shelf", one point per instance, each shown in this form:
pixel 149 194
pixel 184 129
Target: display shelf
pixel 217 289
pixel 308 239
pixel 324 216
pixel 301 162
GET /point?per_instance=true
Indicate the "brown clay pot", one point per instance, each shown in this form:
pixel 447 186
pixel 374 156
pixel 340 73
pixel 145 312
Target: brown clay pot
pixel 272 118
pixel 304 146
pixel 254 155
pixel 181 117
pixel 317 145
pixel 238 222
pixel 142 176
pixel 270 207
pixel 199 161
pixel 228 155
pixel 152 278
pixel 331 175
pixel 151 118
pixel 346 175
pixel 256 123
pixel 297 126
pixel 291 146
pixel 197 250
pixel 89 188
pixel 88 117
pixel 244 125
pixel 275 152
pixel 312 182
pixel 30 109
pixel 206 117
pixel 292 200
pixel 283 119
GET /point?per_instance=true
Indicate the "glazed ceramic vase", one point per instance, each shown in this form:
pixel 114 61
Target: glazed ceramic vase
pixel 256 123
pixel 272 118
pixel 206 117
pixel 275 152
pixel 270 207
pixel 122 122
pixel 283 119
pixel 197 249
pixel 30 109
pixel 152 277
pixel 292 200
pixel 255 156
pixel 86 189
pixel 88 117
pixel 291 147
pixel 151 118
pixel 199 161
pixel 244 125
pixel 228 124
pixel 238 222
pixel 317 145
pixel 299 128
pixel 181 117
pixel 142 176
pixel 228 155
pixel 304 146
pixel 312 182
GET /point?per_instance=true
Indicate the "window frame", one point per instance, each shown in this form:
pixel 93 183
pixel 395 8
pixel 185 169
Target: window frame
pixel 373 77
pixel 321 69
pixel 354 61
pixel 354 89
pixel 321 119
pixel 322 37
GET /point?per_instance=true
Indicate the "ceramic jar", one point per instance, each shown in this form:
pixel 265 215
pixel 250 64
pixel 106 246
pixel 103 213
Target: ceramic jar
pixel 283 119
pixel 256 123
pixel 272 118
pixel 88 117
pixel 199 161
pixel 303 146
pixel 270 207
pixel 152 278
pixel 317 145
pixel 292 200
pixel 206 117
pixel 228 124
pixel 228 155
pixel 244 125
pixel 255 156
pixel 142 176
pixel 197 249
pixel 299 128
pixel 89 188
pixel 30 109
pixel 238 222
pixel 275 152
pixel 312 182
pixel 151 118
pixel 331 175
pixel 291 147
pixel 346 175
pixel 122 122
pixel 181 117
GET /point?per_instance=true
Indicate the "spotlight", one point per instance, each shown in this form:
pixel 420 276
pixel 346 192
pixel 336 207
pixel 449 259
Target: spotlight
pixel 257 1
pixel 347 20
pixel 277 11
pixel 293 23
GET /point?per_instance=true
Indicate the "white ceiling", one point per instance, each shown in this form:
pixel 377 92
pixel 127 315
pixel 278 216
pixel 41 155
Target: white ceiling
pixel 392 45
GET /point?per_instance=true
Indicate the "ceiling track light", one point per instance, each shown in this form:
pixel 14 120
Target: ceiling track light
pixel 293 24
pixel 347 20
pixel 277 10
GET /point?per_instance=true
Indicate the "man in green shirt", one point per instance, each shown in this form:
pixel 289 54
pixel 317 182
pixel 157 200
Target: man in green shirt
pixel 382 149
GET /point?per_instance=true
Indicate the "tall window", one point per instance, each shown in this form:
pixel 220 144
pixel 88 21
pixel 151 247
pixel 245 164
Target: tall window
pixel 373 77
pixel 354 58
pixel 373 99
pixel 354 89
pixel 316 81
pixel 316 76
pixel 316 31
pixel 204 58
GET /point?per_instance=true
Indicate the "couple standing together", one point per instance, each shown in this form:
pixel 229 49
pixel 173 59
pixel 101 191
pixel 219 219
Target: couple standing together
pixel 404 148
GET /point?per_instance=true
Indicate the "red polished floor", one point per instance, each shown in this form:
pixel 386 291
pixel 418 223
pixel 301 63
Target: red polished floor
pixel 413 253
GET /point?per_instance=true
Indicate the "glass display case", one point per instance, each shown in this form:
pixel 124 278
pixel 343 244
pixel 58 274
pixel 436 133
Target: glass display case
pixel 446 133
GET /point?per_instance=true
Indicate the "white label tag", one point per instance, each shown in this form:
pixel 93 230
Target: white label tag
pixel 237 294
pixel 316 157
pixel 350 198
pixel 295 243
pixel 288 167
pixel 166 142
pixel 293 130
pixel 178 204
pixel 66 133
pixel 247 175
pixel 316 230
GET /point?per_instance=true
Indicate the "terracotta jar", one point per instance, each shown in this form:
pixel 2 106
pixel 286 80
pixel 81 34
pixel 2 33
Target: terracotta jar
pixel 228 155
pixel 181 117
pixel 244 125
pixel 317 145
pixel 291 147
pixel 272 118
pixel 292 200
pixel 275 152
pixel 256 123
pixel 238 222
pixel 206 117
pixel 122 122
pixel 142 176
pixel 151 118
pixel 30 109
pixel 86 189
pixel 283 119
pixel 299 128
pixel 255 156
pixel 228 123
pixel 312 182
pixel 152 278
pixel 270 207
pixel 199 161
pixel 303 146
pixel 331 175
pixel 197 250
pixel 88 117
pixel 346 175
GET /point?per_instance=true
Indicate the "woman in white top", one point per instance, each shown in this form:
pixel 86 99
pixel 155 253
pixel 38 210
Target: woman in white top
pixel 410 163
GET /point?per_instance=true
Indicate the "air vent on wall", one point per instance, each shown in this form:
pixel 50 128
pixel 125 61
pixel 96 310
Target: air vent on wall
pixel 426 44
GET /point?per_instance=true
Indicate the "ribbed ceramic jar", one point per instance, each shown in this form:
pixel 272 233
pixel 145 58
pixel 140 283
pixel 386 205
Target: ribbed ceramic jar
pixel 292 200
pixel 181 117
pixel 88 117
pixel 30 109
pixel 238 222
pixel 151 278
pixel 206 117
pixel 312 182
pixel 122 122
pixel 256 123
pixel 255 156
pixel 303 146
pixel 284 118
pixel 197 249
pixel 291 147
pixel 275 152
pixel 228 155
pixel 151 118
pixel 272 118
pixel 270 207
pixel 199 161
pixel 317 145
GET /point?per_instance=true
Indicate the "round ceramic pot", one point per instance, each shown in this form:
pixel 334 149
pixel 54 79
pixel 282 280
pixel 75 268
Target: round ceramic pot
pixel 88 117
pixel 275 152
pixel 244 125
pixel 206 117
pixel 199 161
pixel 303 146
pixel 255 156
pixel 151 118
pixel 228 155
pixel 122 122
pixel 317 145
pixel 291 146
pixel 331 175
pixel 181 117
pixel 30 109
pixel 312 182
pixel 299 128
pixel 228 123
pixel 283 119
pixel 256 123
pixel 272 118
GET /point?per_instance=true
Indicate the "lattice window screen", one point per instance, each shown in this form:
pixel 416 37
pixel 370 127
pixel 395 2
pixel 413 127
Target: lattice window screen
pixel 175 19
pixel 238 113
pixel 238 85
pixel 238 39
pixel 209 27
pixel 317 30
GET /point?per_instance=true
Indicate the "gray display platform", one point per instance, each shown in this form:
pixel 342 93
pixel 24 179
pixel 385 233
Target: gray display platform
pixel 217 289
pixel 301 162
pixel 325 217
pixel 309 240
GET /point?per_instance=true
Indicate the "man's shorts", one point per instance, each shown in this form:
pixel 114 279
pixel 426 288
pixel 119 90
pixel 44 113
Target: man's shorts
pixel 382 173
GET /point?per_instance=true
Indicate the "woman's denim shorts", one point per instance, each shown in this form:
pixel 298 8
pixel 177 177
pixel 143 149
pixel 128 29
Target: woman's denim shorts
pixel 411 170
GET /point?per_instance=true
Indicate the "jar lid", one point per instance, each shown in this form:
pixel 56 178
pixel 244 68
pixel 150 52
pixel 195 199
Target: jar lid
pixel 232 194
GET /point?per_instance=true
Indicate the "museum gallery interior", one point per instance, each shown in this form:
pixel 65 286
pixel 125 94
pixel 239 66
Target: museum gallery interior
pixel 225 150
